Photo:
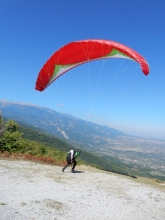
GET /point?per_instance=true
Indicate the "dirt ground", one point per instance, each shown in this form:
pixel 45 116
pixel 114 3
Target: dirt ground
pixel 30 190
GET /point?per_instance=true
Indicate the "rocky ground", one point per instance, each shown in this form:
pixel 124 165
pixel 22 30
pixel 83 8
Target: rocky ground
pixel 30 190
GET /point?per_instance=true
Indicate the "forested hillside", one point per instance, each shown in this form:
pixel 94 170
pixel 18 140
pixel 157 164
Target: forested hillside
pixel 27 142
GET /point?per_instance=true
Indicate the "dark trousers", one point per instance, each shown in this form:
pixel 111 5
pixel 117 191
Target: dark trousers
pixel 69 163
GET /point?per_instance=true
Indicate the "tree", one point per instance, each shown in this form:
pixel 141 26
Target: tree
pixel 11 126
pixel 0 116
pixel 11 137
pixel 2 126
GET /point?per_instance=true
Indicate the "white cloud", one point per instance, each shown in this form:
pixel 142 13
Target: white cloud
pixel 60 105
pixel 92 116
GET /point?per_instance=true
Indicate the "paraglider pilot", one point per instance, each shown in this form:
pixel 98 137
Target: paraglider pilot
pixel 71 159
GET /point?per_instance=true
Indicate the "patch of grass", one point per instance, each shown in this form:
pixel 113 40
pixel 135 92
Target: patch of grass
pixel 53 204
pixel 3 203
pixel 159 181
pixel 37 201
pixel 23 203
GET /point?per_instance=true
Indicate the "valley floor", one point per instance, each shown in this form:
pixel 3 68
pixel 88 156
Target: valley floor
pixel 30 190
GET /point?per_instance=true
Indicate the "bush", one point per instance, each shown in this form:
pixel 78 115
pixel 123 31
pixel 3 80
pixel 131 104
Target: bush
pixel 11 137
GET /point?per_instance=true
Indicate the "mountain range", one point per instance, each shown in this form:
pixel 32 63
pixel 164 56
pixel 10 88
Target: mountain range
pixel 65 126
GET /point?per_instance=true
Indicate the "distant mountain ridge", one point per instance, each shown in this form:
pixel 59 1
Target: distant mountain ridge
pixel 62 125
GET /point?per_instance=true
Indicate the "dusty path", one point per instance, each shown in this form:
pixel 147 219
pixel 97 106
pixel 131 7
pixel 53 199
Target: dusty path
pixel 30 190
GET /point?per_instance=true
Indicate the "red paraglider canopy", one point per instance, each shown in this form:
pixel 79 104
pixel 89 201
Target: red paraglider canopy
pixel 79 52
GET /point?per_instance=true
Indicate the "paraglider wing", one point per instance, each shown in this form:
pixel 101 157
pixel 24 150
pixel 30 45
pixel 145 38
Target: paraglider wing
pixel 79 52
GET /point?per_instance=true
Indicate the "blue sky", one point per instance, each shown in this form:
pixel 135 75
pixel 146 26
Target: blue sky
pixel 112 92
